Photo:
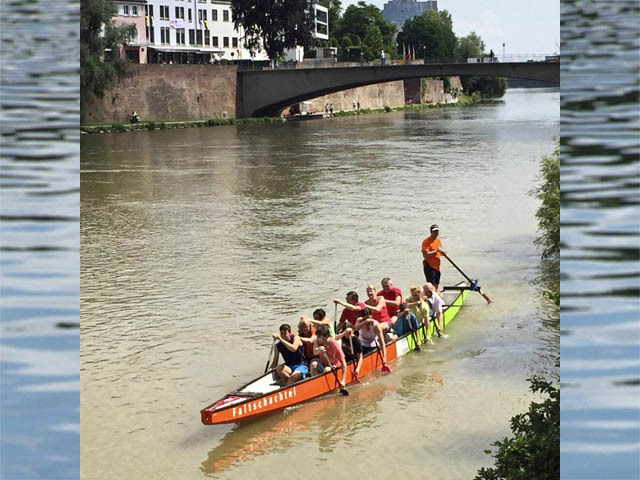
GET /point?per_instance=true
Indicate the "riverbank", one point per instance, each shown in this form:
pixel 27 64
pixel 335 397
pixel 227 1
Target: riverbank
pixel 463 100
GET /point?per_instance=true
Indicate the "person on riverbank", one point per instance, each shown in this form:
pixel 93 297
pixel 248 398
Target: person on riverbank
pixel 420 308
pixel 431 253
pixel 436 303
pixel 330 352
pixel 290 347
pixel 406 321
pixel 378 306
pixel 352 308
pixel 392 296
pixel 371 337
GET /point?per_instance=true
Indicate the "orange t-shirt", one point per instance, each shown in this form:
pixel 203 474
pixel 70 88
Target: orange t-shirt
pixel 432 244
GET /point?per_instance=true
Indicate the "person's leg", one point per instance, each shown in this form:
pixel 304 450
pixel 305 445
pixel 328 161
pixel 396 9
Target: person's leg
pixel 380 329
pixel 436 279
pixel 284 372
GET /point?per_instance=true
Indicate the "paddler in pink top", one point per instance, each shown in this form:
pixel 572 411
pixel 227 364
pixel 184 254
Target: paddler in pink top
pixel 391 294
pixel 330 352
pixel 378 306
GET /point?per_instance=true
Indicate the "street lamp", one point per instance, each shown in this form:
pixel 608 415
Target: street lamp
pixel 503 52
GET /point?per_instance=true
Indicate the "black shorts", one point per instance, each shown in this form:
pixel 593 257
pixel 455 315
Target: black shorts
pixel 431 274
pixel 366 350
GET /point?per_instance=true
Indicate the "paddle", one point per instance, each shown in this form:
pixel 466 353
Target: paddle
pixel 355 361
pixel 343 390
pixel 473 283
pixel 269 358
pixel 385 367
pixel 413 335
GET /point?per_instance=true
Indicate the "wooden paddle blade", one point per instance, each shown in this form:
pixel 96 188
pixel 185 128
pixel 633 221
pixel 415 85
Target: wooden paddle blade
pixel 344 392
pixel 484 296
pixel 385 368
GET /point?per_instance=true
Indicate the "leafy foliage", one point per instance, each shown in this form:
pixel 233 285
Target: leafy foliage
pixel 534 451
pixel 372 43
pixel 274 25
pixel 470 46
pixel 357 20
pixel 100 41
pixel 431 34
pixel 488 87
pixel 548 214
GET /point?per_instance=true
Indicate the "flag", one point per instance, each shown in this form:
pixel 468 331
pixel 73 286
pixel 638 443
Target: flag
pixel 206 25
pixel 146 20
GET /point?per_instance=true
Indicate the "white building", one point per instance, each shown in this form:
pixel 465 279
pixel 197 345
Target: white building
pixel 194 31
pixel 200 31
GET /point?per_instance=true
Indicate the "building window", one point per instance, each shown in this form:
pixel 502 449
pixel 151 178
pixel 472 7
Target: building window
pixel 189 15
pixel 134 10
pixel 225 15
pixel 214 15
pixel 180 36
pixel 180 12
pixel 199 37
pixel 225 42
pixel 207 37
pixel 214 41
pixel 202 15
pixel 164 35
pixel 192 36
pixel 234 42
pixel 202 1
pixel 321 16
pixel 149 10
pixel 321 28
pixel 164 12
pixel 125 10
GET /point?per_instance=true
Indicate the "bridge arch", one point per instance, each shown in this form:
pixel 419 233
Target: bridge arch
pixel 269 92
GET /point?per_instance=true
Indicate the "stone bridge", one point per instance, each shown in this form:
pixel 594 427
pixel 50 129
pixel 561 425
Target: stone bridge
pixel 269 92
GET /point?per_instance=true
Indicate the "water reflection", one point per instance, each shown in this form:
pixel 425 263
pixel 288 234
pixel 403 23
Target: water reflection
pixel 326 422
pixel 600 239
pixel 39 231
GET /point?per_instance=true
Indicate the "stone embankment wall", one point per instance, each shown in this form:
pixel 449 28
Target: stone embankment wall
pixel 174 93
pixel 168 93
pixel 371 96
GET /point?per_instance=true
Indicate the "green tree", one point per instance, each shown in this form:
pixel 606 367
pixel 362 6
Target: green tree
pixel 356 20
pixel 534 451
pixel 470 46
pixel 431 34
pixel 100 41
pixel 548 214
pixel 372 43
pixel 274 25
pixel 488 87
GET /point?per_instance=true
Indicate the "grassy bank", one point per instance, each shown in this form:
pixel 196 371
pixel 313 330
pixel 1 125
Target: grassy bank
pixel 214 122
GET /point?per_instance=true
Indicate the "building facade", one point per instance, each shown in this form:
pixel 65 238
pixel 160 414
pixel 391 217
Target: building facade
pixel 397 11
pixel 133 11
pixel 193 31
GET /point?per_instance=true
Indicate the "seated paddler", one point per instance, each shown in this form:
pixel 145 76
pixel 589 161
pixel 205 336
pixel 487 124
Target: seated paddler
pixel 290 347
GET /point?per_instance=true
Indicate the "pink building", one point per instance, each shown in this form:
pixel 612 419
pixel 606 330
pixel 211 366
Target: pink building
pixel 133 11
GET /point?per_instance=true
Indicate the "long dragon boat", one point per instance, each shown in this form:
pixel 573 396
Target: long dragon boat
pixel 264 395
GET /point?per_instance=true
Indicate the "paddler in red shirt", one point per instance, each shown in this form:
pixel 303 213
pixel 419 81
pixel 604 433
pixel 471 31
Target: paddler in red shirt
pixel 392 296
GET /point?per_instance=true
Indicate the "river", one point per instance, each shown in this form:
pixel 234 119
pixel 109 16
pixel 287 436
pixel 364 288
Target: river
pixel 197 243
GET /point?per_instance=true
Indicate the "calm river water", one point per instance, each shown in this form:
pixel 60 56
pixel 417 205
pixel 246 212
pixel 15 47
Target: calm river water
pixel 197 243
